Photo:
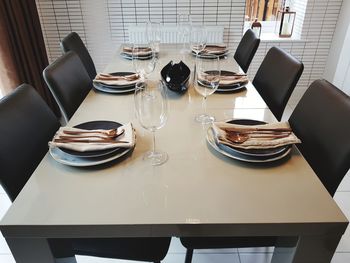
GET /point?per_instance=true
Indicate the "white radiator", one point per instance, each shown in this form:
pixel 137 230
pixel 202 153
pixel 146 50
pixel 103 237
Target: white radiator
pixel 169 34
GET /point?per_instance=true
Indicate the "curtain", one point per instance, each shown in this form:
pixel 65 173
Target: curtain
pixel 22 48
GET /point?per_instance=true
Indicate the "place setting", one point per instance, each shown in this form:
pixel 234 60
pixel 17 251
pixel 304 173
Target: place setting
pixel 117 82
pixel 251 140
pixel 142 52
pixel 92 143
pixel 232 81
pixel 210 49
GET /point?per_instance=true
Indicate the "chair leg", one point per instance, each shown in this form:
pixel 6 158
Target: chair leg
pixel 189 254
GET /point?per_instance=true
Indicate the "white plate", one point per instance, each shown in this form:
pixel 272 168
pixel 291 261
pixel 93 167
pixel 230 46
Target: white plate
pixel 115 91
pixel 240 157
pixel 72 160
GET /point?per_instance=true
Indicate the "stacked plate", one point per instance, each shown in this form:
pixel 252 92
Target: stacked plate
pixel 90 158
pixel 127 87
pixel 248 155
pixel 210 50
pixel 232 87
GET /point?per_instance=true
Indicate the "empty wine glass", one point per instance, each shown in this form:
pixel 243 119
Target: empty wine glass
pixel 206 82
pixel 144 60
pixel 198 42
pixel 198 39
pixel 184 24
pixel 153 33
pixel 151 107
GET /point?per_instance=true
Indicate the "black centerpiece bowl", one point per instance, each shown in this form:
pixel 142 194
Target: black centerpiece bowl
pixel 176 76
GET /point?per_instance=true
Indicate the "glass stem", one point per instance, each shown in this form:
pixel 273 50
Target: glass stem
pixel 205 104
pixel 154 141
pixel 194 69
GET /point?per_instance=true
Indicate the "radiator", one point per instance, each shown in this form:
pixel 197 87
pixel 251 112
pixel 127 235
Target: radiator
pixel 169 34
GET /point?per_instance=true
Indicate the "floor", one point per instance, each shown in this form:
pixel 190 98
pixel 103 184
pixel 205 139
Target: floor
pixel 176 252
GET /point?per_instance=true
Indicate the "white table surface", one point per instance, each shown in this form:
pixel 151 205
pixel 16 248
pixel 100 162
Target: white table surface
pixel 196 192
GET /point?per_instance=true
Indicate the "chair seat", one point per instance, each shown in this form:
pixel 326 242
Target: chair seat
pixel 227 242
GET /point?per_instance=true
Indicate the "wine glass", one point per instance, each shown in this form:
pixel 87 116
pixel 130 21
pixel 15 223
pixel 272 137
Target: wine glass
pixel 206 82
pixel 153 33
pixel 144 60
pixel 198 39
pixel 151 107
pixel 184 25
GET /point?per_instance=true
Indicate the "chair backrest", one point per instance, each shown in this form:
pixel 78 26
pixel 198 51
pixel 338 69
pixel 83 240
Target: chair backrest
pixel 276 79
pixel 26 126
pixel 68 82
pixel 246 49
pixel 321 121
pixel 73 42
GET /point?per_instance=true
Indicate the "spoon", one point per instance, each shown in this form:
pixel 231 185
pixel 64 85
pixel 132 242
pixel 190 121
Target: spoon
pixel 242 137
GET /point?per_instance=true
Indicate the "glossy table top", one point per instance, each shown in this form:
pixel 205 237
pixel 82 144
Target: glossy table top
pixel 196 186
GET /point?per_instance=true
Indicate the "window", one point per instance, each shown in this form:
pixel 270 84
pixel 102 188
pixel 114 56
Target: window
pixel 265 11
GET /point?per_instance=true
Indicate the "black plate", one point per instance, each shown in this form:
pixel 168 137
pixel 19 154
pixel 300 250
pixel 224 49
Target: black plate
pixel 256 152
pixel 93 125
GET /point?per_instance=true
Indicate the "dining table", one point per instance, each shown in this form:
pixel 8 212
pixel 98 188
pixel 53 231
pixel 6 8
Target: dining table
pixel 198 192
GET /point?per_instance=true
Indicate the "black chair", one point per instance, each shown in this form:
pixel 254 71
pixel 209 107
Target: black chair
pixel 321 121
pixel 68 82
pixel 246 49
pixel 73 42
pixel 24 112
pixel 276 79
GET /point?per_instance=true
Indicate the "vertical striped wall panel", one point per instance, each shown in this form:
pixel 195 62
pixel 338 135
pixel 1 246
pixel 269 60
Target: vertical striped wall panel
pixel 103 24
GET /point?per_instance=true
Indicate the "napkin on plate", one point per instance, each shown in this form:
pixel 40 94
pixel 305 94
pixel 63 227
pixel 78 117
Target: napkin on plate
pixel 111 80
pixel 225 79
pixel 222 129
pixel 81 140
pixel 143 51
pixel 214 49
pixel 233 79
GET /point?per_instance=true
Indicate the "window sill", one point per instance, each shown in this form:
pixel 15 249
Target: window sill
pixel 272 37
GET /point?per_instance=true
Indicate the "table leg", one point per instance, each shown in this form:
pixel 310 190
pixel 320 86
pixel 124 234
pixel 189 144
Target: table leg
pixel 308 249
pixel 34 250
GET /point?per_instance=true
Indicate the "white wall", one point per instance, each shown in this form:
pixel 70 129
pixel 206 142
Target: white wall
pixel 104 24
pixel 338 64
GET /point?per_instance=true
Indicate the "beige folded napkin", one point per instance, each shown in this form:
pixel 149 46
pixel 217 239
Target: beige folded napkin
pixel 81 140
pixel 221 130
pixel 224 79
pixel 108 79
pixel 214 49
pixel 233 79
pixel 142 51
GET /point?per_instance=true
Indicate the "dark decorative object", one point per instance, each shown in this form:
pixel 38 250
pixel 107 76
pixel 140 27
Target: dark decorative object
pixel 176 76
pixel 285 22
pixel 256 27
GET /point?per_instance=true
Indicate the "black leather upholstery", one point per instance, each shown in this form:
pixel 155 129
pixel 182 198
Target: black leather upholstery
pixel 321 121
pixel 276 79
pixel 26 125
pixel 246 49
pixel 68 82
pixel 72 42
